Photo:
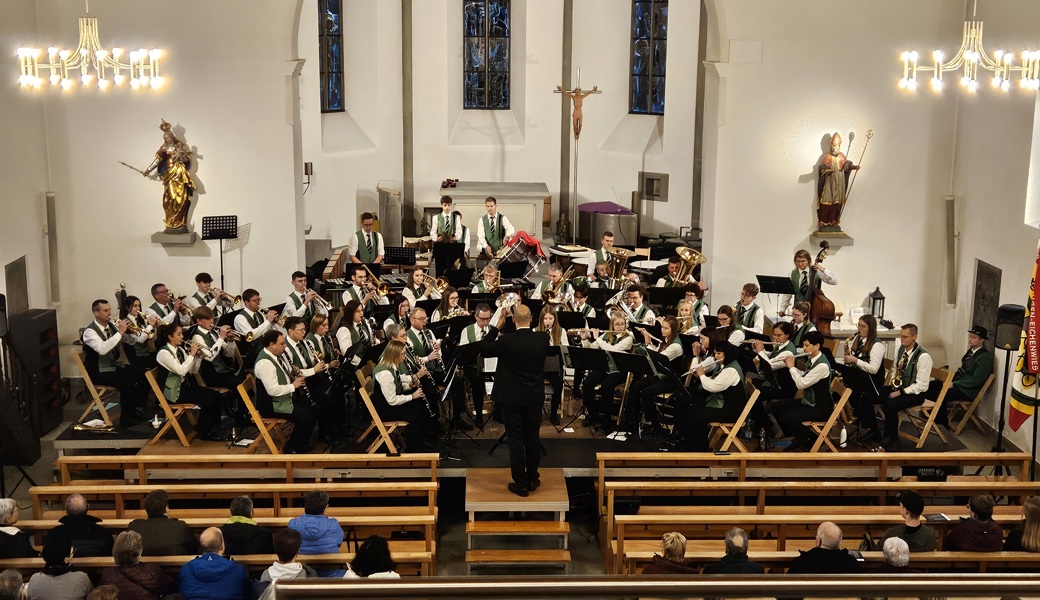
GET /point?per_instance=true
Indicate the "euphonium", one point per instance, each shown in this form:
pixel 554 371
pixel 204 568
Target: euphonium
pixel 690 259
pixel 458 311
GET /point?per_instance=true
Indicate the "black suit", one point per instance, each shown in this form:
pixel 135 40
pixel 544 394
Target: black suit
pixel 520 391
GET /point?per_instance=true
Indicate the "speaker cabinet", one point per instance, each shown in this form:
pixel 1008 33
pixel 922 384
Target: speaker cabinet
pixel 1010 320
pixel 34 335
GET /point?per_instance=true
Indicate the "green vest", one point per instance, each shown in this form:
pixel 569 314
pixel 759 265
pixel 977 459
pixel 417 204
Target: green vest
pixel 203 300
pixel 493 232
pixel 586 310
pixel 796 280
pixel 172 384
pixel 218 361
pixel 819 390
pixel 718 399
pixel 141 348
pixel 789 347
pixel 362 252
pixel 255 319
pixel 284 403
pixel 308 314
pixel 749 315
pixel 322 345
pixel 161 310
pixel 419 349
pixel 601 256
pixel 378 389
pixel 800 333
pixel 299 358
pixel 106 362
pixel 697 306
pixel 640 312
pixel 444 226
pixel 910 369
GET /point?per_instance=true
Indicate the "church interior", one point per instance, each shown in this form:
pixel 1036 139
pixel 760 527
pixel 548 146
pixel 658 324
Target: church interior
pixel 729 132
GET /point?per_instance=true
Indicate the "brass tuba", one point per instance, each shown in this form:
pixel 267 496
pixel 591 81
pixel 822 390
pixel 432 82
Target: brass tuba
pixel 690 259
pixel 617 259
pixel 618 302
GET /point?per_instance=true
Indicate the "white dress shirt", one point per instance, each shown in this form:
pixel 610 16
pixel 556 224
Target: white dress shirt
pixel 737 337
pixel 508 228
pixel 243 326
pixel 168 360
pixel 727 378
pixel 218 346
pixel 877 359
pixel 823 275
pixel 97 343
pixel 267 373
pixel 760 316
pixel 620 345
pixel 166 316
pixel 360 292
pixel 820 369
pixel 290 309
pixel 437 219
pixel 303 350
pixel 353 243
pixel 388 386
pixel 776 363
pixel 924 373
pixel 427 294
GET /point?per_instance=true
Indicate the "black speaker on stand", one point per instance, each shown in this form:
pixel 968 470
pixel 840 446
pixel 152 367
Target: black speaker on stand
pixel 1010 320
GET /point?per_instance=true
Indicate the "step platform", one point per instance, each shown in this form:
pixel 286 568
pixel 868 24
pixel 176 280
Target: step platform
pixel 486 492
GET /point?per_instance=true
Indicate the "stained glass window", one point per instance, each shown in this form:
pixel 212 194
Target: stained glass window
pixel 330 53
pixel 649 49
pixel 485 54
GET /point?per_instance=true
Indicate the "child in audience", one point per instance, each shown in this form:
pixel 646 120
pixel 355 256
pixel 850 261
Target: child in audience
pixel 287 547
pixel 373 561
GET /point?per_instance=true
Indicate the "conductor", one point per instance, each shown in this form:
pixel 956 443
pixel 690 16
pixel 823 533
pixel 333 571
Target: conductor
pixel 519 390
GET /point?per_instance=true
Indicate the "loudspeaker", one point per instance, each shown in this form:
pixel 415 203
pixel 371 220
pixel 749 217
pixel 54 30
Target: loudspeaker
pixel 1010 320
pixel 3 315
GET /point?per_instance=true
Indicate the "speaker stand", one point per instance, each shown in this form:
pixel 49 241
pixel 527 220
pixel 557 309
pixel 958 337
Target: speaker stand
pixel 3 480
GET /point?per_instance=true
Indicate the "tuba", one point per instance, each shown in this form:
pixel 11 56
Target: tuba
pixel 690 259
pixel 618 258
pixel 618 302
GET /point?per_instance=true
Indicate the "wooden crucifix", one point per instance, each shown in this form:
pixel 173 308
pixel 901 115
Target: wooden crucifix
pixel 577 96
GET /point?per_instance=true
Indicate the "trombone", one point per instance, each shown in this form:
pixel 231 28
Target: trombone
pixel 381 288
pixel 439 284
pixel 554 294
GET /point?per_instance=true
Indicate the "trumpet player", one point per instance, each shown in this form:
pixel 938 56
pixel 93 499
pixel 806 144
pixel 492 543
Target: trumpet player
pixel 165 308
pixel 365 245
pixel 303 302
pixel 419 287
pixel 218 353
pixel 444 227
pixel 276 390
pixel 206 295
pixel 176 370
pixel 362 290
pixel 494 229
pixel 252 322
pixel 137 339
pixel 554 282
pixel 101 340
pixel 331 414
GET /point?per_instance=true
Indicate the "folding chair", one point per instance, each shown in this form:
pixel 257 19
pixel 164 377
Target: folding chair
pixel 969 408
pixel 731 431
pixel 271 431
pixel 173 413
pixel 383 429
pixel 98 393
pixel 823 429
pixel 923 417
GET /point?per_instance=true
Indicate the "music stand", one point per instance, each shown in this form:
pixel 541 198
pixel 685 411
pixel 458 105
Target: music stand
pixel 571 320
pixel 220 228
pixel 513 270
pixel 399 255
pixel 775 284
pixel 458 278
pixel 475 299
pixel 667 297
pixel 654 329
pixel 598 297
pixel 445 254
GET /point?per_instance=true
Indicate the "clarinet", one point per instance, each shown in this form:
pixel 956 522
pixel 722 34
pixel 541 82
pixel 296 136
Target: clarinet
pixel 303 392
pixel 319 355
pixel 426 383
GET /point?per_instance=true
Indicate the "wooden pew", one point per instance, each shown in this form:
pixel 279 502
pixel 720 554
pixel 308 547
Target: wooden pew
pixel 288 468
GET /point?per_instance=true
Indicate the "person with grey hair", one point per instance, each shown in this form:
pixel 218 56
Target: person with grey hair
pixel 736 559
pixel 81 530
pixel 10 585
pixel 827 557
pixel 978 532
pixel 135 580
pixel 14 543
pixel 897 557
pixel 212 576
pixel 671 561
pixel 242 535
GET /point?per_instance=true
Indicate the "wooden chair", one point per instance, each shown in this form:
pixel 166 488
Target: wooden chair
pixel 923 417
pixel 98 393
pixel 731 431
pixel 173 413
pixel 822 429
pixel 383 429
pixel 271 431
pixel 969 408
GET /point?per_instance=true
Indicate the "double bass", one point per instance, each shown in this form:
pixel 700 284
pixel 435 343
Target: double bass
pixel 821 309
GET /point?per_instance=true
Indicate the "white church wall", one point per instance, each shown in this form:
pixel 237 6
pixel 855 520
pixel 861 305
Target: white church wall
pixel 23 160
pixel 228 95
pixel 357 150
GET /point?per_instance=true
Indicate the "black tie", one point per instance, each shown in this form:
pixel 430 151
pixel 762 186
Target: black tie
pixel 967 355
pixel 483 332
pixel 740 312
pixel 368 242
pixel 803 287
pixel 180 355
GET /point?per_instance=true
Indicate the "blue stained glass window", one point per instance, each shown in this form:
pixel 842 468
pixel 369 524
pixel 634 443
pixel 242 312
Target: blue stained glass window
pixel 485 54
pixel 330 55
pixel 648 56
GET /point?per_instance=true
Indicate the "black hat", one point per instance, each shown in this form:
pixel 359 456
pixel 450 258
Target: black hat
pixel 912 502
pixel 980 331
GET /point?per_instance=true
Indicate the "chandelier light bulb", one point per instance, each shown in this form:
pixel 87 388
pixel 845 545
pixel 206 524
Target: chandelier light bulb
pixel 66 84
pixel 154 54
pixel 905 56
pixel 937 84
pixel 1005 86
pixel 86 78
pixel 157 82
pixel 54 79
pixel 103 84
pixel 903 83
pixel 913 56
pixel 117 52
pixel 937 56
pixel 134 83
pixel 64 54
pixel 119 79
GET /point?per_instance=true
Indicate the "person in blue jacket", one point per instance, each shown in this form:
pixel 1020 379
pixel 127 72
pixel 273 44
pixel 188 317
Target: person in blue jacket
pixel 213 576
pixel 321 534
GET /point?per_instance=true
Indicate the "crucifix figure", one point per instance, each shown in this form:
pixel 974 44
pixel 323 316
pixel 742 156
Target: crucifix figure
pixel 577 96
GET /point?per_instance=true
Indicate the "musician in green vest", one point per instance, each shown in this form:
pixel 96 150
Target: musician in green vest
pixel 606 242
pixel 304 302
pixel 176 375
pixel 166 308
pixel 494 229
pixel 276 391
pixel 206 295
pixel 720 399
pixel 801 323
pixel 251 323
pixel 911 375
pixel 815 383
pixel 976 366
pixel 775 359
pixel 366 245
pixel 806 280
pixel 217 367
pixel 749 315
pixel 101 340
pixel 444 227
pixel 363 291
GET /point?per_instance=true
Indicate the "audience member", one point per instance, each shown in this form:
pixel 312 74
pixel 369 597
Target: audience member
pixel 211 576
pixel 897 557
pixel 80 530
pixel 373 561
pixel 920 537
pixel 135 580
pixel 58 581
pixel 671 561
pixel 11 585
pixel 104 592
pixel 14 543
pixel 1027 538
pixel 827 557
pixel 287 547
pixel 162 535
pixel 736 560
pixel 320 534
pixel 977 533
pixel 241 533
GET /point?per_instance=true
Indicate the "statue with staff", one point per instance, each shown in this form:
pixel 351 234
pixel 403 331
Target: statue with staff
pixel 836 176
pixel 171 165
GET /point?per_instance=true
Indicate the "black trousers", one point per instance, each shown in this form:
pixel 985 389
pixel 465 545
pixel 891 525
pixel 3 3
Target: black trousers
pixel 477 390
pixel 209 401
pixel 791 412
pixel 954 393
pixel 642 399
pixel 892 407
pixel 555 379
pixel 303 426
pixel 214 378
pixel 132 389
pixel 330 406
pixel 525 451
pixel 760 410
pixel 699 418
pixel 601 403
pixel 423 430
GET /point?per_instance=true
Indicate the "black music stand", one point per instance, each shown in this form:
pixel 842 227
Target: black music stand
pixel 667 297
pixel 220 228
pixel 428 305
pixel 571 320
pixel 635 327
pixel 598 297
pixel 474 299
pixel 535 307
pixel 513 270
pixel 398 255
pixel 457 278
pixel 445 254
pixel 775 284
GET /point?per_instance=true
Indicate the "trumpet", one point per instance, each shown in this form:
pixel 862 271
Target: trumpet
pixel 184 309
pixel 226 299
pixel 234 336
pixel 137 330
pixel 440 284
pixel 321 301
pixel 381 288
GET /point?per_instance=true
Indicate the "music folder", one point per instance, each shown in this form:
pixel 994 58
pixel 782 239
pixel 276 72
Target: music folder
pixel 588 359
pixel 653 328
pixel 445 254
pixel 637 364
pixel 571 320
pixel 775 284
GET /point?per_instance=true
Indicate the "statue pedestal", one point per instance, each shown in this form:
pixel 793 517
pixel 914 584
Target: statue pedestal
pixel 837 239
pixel 174 239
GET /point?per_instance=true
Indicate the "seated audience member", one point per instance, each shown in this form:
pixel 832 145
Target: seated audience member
pixel 161 535
pixel 80 530
pixel 917 535
pixel 827 557
pixel 977 533
pixel 671 561
pixel 1027 538
pixel 11 585
pixel 14 543
pixel 320 534
pixel 58 581
pixel 241 533
pixel 134 579
pixel 104 592
pixel 736 560
pixel 373 561
pixel 287 547
pixel 211 576
pixel 897 557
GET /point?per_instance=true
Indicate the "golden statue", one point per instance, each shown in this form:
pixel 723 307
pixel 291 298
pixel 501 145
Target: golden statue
pixel 171 165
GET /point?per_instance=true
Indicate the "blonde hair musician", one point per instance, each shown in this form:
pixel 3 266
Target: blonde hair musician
pixel 598 390
pixel 642 393
pixel 548 321
pixel 398 397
